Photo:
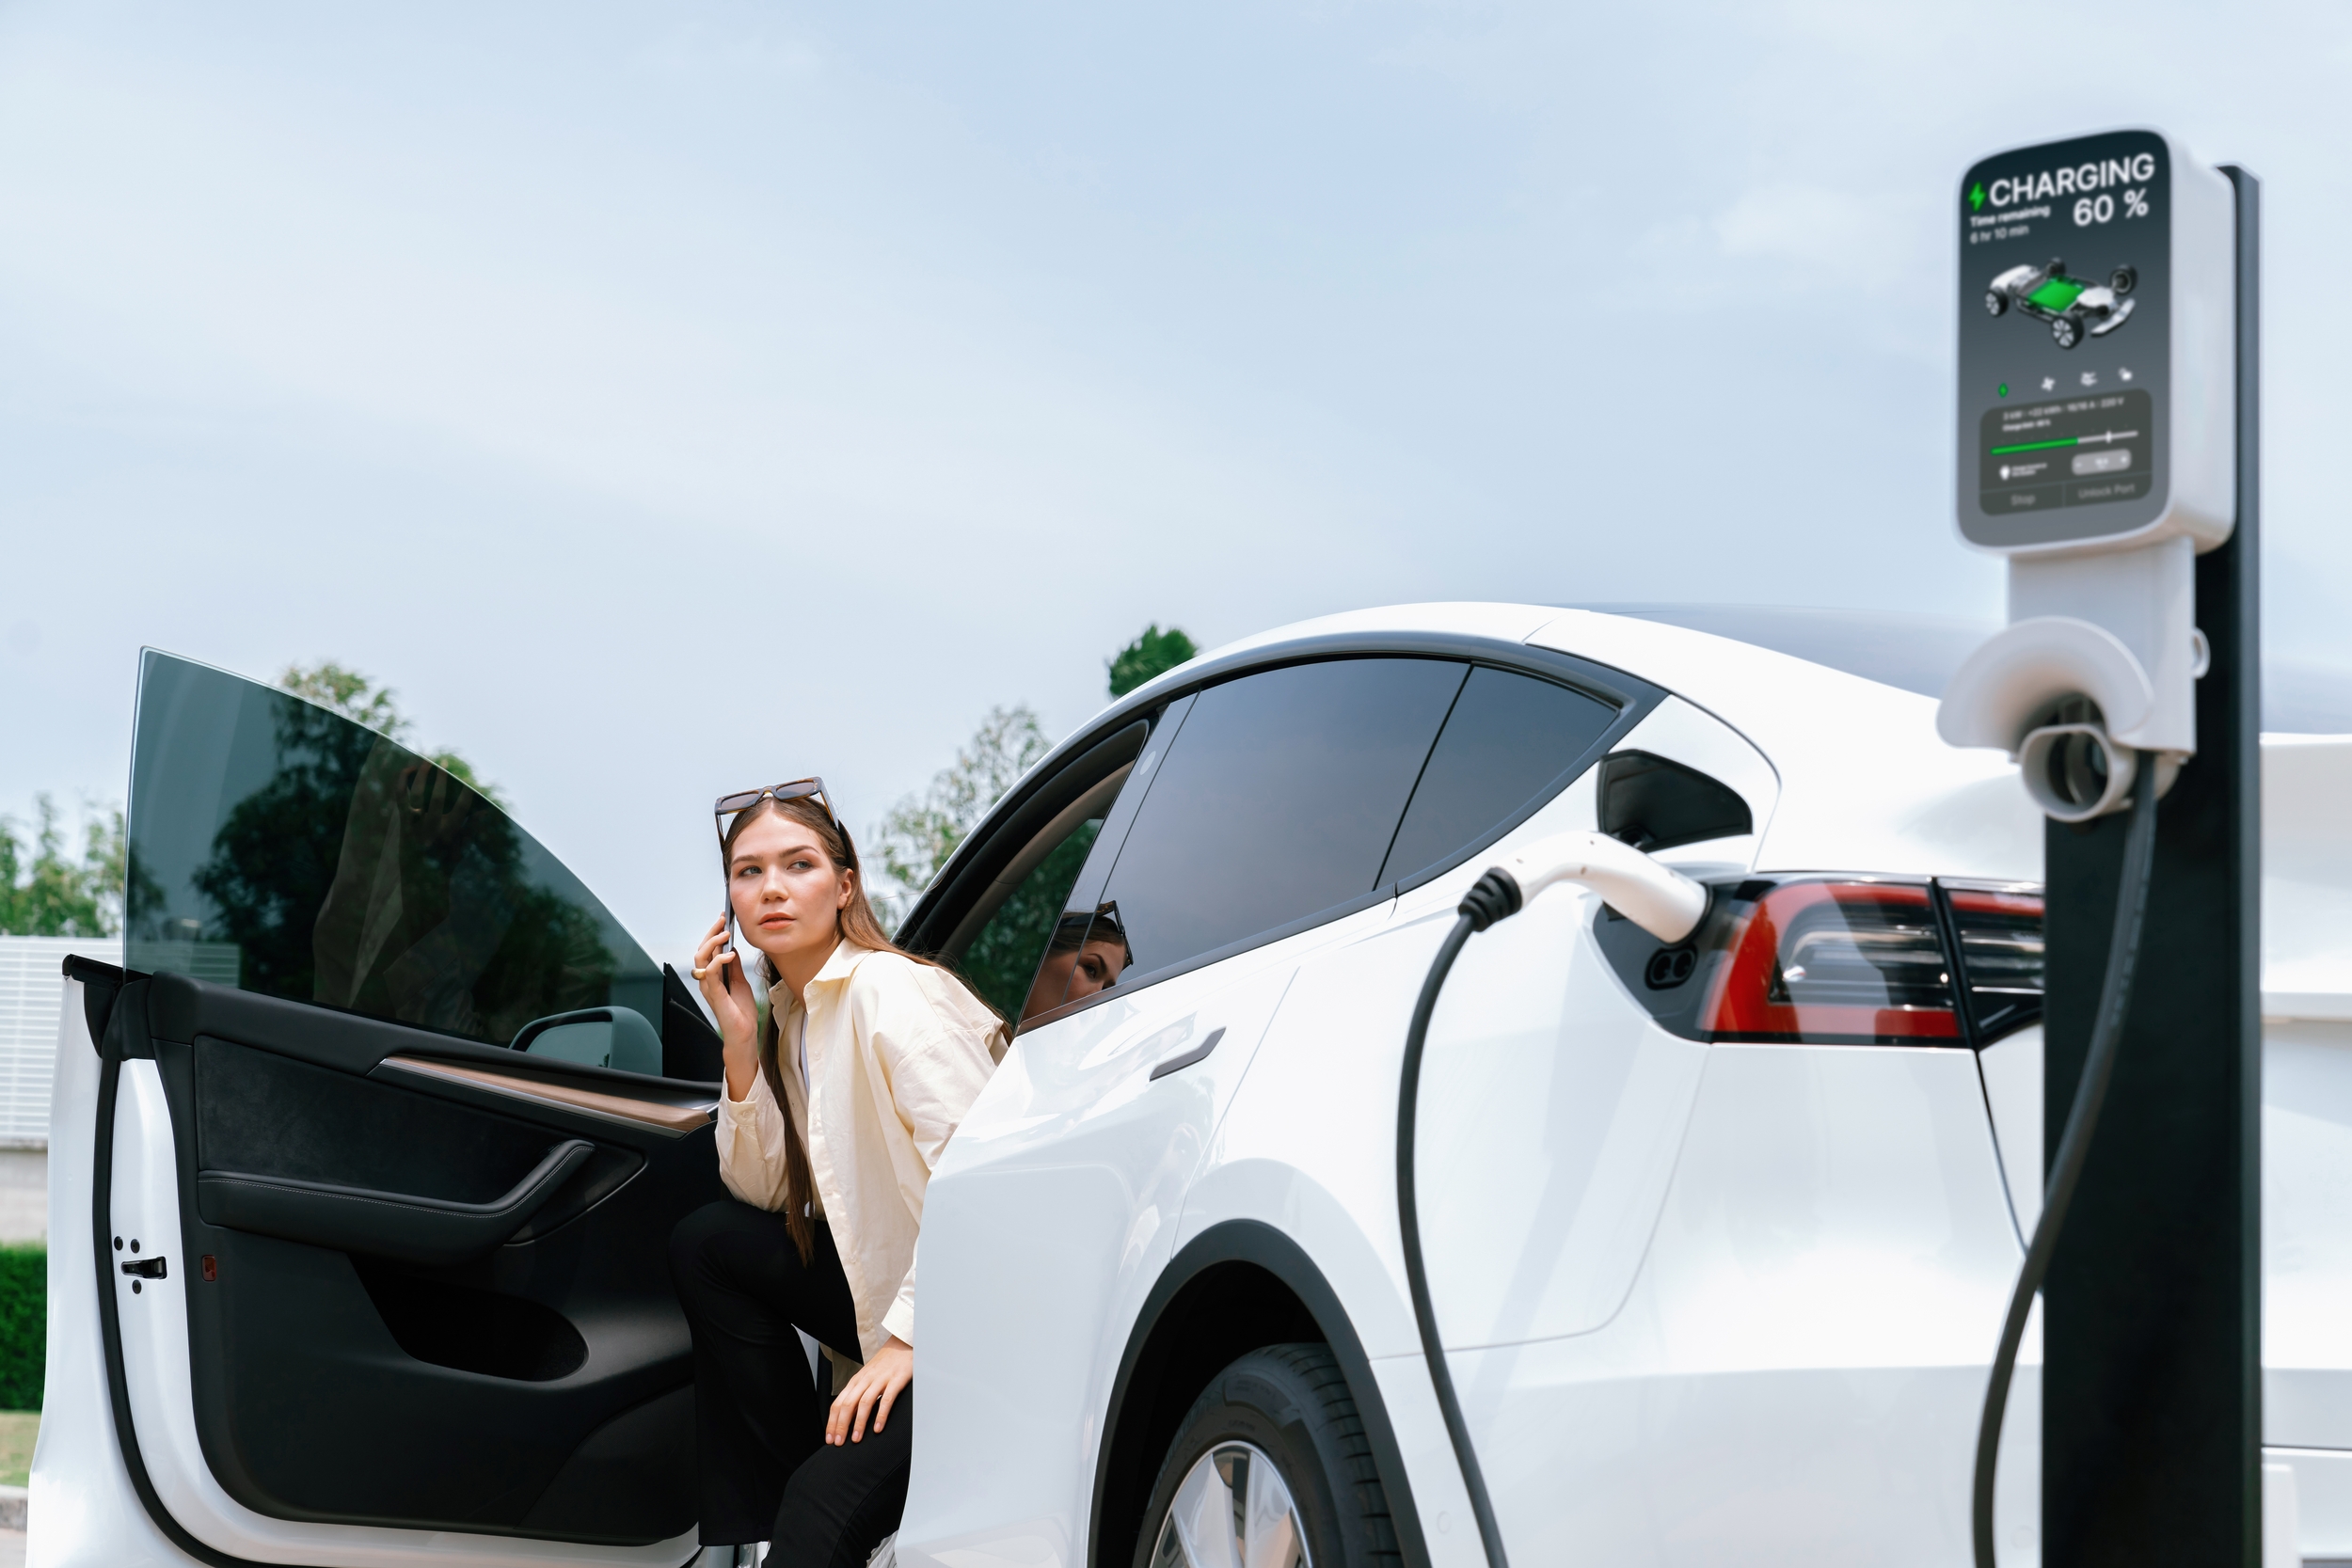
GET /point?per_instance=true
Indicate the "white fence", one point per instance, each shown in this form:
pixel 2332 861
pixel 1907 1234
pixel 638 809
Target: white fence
pixel 32 990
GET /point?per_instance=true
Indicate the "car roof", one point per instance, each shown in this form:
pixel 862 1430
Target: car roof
pixel 1915 653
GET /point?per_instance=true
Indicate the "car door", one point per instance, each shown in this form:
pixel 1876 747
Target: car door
pixel 1250 830
pixel 365 1165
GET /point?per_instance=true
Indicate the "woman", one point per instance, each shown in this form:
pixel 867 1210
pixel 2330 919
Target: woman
pixel 838 1101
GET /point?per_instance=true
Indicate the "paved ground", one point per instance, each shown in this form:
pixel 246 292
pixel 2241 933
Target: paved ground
pixel 11 1549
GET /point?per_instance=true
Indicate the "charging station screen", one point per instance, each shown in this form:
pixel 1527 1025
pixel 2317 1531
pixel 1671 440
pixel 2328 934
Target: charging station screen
pixel 2065 351
pixel 2088 451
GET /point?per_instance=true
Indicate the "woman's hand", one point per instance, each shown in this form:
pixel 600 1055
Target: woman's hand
pixel 875 1387
pixel 723 985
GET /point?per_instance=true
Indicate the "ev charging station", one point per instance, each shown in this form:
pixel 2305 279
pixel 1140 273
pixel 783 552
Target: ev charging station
pixel 2108 435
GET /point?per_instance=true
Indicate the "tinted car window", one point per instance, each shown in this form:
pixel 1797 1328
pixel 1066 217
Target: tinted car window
pixel 280 849
pixel 1278 801
pixel 1003 958
pixel 1509 738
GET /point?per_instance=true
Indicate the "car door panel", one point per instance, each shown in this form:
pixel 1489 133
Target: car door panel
pixel 539 1387
pixel 1066 1175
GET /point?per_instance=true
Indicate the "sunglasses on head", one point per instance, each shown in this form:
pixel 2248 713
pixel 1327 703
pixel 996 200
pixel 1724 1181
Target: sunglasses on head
pixel 728 807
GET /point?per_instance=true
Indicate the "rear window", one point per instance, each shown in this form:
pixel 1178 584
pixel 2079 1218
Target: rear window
pixel 282 848
pixel 1510 739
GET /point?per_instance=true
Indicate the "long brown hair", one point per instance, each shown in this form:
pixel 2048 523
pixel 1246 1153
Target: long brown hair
pixel 859 926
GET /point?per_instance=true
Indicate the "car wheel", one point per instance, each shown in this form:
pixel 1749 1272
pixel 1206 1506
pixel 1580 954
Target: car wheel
pixel 2067 330
pixel 1270 1468
pixel 2124 280
pixel 1995 303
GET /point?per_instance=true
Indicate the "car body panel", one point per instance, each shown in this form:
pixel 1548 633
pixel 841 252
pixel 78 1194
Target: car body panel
pixel 2307 877
pixel 1866 781
pixel 1681 733
pixel 1074 1135
pixel 1806 1334
pixel 82 1509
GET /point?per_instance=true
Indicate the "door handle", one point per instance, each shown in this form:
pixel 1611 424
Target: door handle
pixel 146 1268
pixel 1185 1058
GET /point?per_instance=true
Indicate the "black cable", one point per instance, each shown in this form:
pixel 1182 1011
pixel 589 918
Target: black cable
pixel 1495 896
pixel 2066 1168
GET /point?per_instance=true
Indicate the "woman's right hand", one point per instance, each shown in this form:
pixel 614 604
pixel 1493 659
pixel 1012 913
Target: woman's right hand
pixel 723 985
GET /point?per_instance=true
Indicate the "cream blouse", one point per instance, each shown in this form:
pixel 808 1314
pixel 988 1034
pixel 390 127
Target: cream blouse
pixel 897 1052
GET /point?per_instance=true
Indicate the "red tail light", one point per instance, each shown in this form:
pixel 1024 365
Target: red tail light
pixel 1834 963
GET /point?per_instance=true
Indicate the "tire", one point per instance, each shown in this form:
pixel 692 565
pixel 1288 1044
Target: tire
pixel 2066 331
pixel 1995 303
pixel 2124 280
pixel 1284 1408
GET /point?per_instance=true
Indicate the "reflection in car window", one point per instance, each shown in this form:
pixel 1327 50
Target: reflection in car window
pixel 1278 801
pixel 1509 738
pixel 1089 954
pixel 1005 956
pixel 282 848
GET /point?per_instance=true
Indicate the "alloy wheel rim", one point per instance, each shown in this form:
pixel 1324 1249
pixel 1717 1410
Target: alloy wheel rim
pixel 1234 1510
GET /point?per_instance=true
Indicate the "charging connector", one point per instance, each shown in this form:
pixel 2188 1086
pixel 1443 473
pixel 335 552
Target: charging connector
pixel 1657 899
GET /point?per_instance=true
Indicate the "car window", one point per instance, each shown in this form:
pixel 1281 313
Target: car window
pixel 1509 740
pixel 1276 803
pixel 279 847
pixel 1002 961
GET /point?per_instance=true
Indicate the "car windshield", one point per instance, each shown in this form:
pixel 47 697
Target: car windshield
pixel 280 847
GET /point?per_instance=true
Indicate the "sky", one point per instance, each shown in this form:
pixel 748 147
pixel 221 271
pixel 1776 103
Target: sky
pixel 671 399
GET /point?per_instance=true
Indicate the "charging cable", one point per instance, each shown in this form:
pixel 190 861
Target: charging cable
pixel 1661 901
pixel 2066 1168
pixel 1495 897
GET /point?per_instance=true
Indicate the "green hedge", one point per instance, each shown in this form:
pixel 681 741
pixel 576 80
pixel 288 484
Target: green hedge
pixel 23 1326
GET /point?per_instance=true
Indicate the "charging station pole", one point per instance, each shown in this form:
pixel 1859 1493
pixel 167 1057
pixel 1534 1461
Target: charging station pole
pixel 2152 1371
pixel 2108 440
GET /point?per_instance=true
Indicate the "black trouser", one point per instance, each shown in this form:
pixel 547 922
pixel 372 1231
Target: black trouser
pixel 759 1420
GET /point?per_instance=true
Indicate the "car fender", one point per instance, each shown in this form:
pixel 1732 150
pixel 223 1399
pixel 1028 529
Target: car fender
pixel 1262 1246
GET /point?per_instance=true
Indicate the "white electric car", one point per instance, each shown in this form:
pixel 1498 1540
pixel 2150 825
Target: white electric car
pixel 361 1170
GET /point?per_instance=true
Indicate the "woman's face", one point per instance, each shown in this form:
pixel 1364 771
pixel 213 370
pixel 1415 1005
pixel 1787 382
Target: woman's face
pixel 787 894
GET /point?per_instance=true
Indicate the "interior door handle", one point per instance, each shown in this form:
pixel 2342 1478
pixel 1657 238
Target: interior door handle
pixel 385 1225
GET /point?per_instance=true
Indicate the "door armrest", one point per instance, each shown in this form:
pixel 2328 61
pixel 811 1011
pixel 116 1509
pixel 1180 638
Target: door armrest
pixel 413 1229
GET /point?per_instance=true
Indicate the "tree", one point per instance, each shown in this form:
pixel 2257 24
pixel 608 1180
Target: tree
pixel 355 697
pixel 921 831
pixel 54 896
pixel 1154 652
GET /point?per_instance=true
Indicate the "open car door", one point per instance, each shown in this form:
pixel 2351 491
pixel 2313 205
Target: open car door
pixel 363 1169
